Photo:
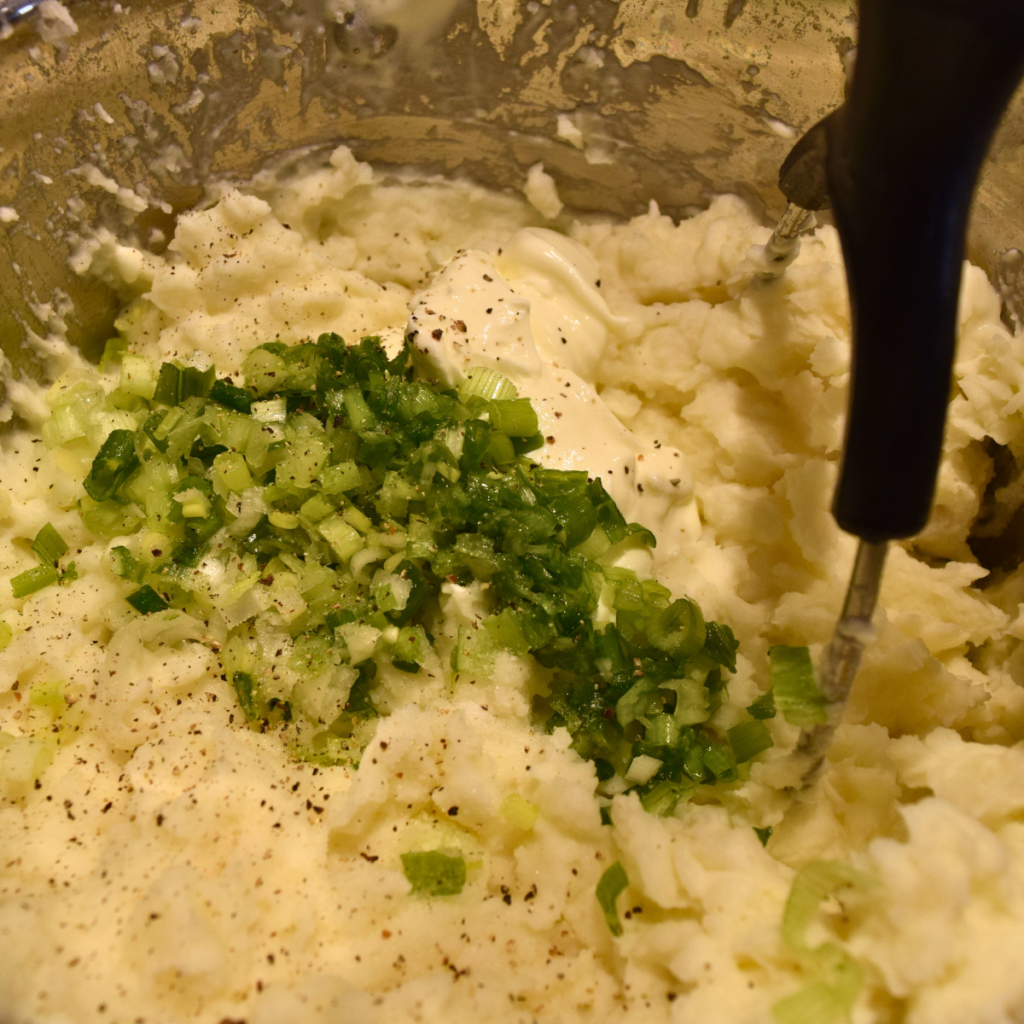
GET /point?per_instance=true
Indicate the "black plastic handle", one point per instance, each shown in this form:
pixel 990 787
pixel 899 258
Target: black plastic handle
pixel 931 80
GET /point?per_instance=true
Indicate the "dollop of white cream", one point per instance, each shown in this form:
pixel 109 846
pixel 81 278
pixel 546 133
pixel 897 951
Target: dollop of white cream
pixel 532 311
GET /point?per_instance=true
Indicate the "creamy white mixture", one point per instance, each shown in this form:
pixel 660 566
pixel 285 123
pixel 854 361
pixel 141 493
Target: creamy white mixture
pixel 159 863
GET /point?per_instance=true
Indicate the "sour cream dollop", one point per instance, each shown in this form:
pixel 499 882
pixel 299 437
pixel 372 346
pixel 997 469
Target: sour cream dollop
pixel 532 311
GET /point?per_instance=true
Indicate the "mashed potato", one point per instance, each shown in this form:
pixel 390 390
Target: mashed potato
pixel 159 862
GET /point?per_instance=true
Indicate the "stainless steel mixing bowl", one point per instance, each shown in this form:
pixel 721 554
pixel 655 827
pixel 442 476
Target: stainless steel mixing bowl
pixel 675 100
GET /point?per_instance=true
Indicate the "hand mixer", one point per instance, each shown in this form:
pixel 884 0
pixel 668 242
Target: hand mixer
pixel 898 161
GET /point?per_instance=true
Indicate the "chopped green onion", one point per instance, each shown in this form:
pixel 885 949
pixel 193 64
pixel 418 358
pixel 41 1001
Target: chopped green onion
pixel 113 350
pixel 101 423
pixel 177 383
pixel 433 873
pixel 126 565
pixel 763 707
pixel 721 645
pixel 664 797
pixel 519 812
pixel 274 410
pixel 225 393
pixel 360 415
pixel 50 695
pixel 831 995
pixel 146 600
pixel 32 580
pixel 610 886
pixel 115 462
pixel 49 545
pixel 230 468
pixel 515 417
pixel 345 498
pixel 65 424
pixel 69 575
pixel 111 519
pixel 796 693
pixel 6 633
pixel 246 688
pixel 488 384
pixel 343 538
pixel 137 376
pixel 340 478
pixel 763 834
pixel 679 629
pixel 814 883
pixel 748 739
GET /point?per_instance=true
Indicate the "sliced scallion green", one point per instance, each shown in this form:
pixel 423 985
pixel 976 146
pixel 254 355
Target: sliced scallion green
pixel 433 873
pixel 225 393
pixel 515 417
pixel 796 693
pixel 748 739
pixel 146 600
pixel 34 579
pixel 609 887
pixel 177 383
pixel 126 565
pixel 49 545
pixel 485 383
pixel 114 463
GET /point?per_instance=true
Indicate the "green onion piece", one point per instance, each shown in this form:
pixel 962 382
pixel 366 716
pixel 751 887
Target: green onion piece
pixel 525 445
pixel 831 995
pixel 763 834
pixel 273 410
pixel 720 760
pixel 490 385
pixel 796 693
pixel 196 383
pixel 69 575
pixel 519 812
pixel 610 886
pixel 112 351
pixel 248 693
pixel 763 707
pixel 109 519
pixel 146 600
pixel 343 538
pixel 340 478
pixel 167 385
pixel 225 393
pixel 606 815
pixel 137 376
pixel 176 383
pixel 434 873
pixel 126 565
pixel 115 462
pixel 515 417
pixel 360 415
pixel 6 633
pixel 721 645
pixel 49 545
pixel 748 739
pixel 32 580
pixel 663 798
pixel 679 629
pixel 822 1002
pixel 49 694
pixel 63 425
pixel 814 883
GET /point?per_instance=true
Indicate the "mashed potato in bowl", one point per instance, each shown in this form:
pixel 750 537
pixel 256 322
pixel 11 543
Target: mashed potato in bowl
pixel 162 861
